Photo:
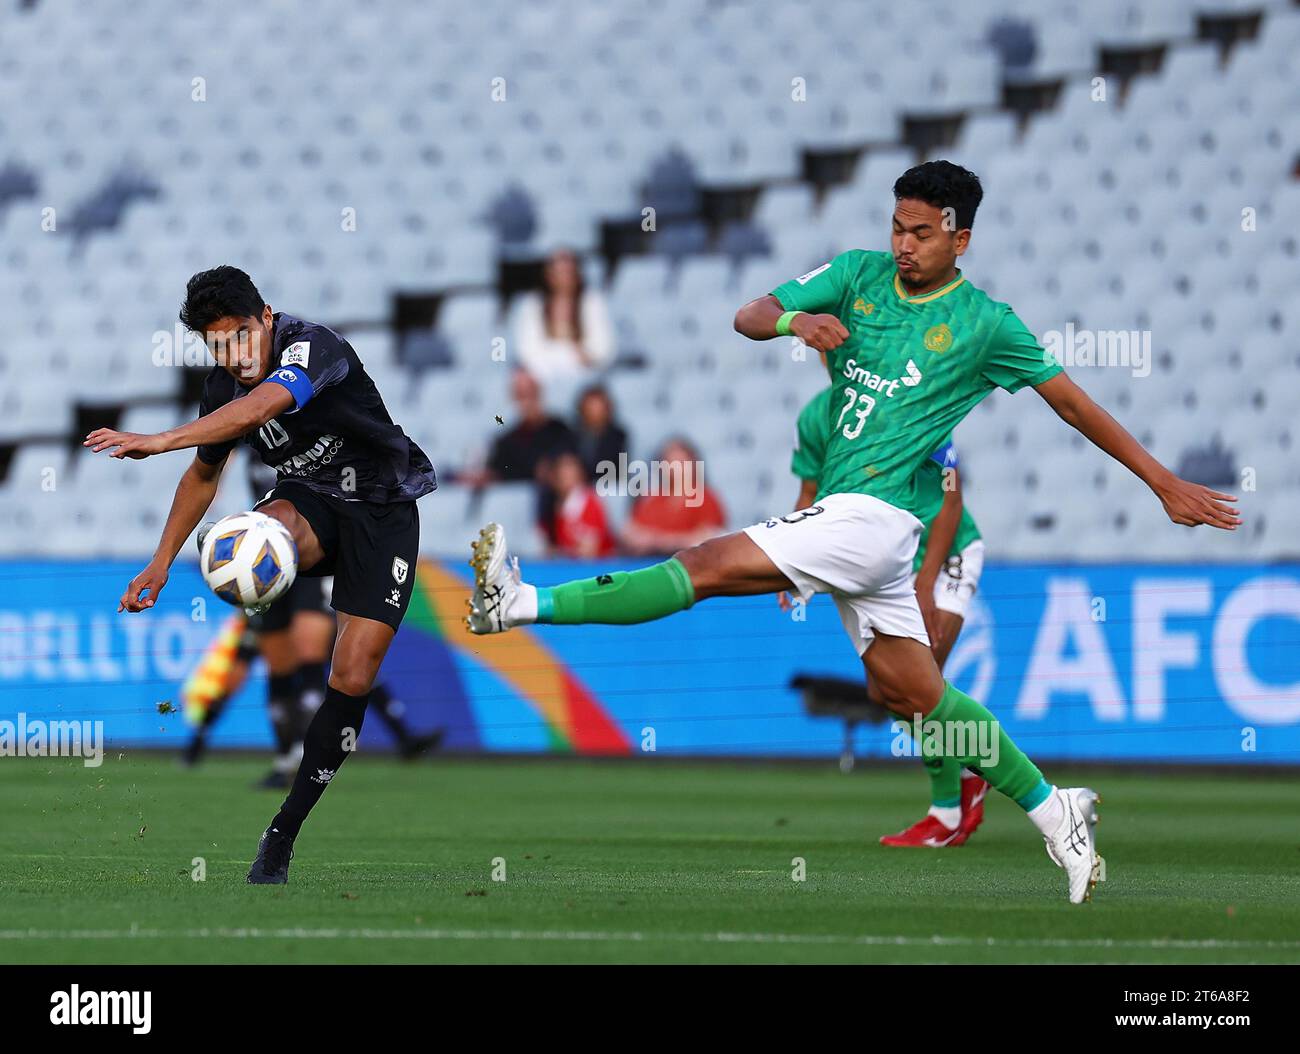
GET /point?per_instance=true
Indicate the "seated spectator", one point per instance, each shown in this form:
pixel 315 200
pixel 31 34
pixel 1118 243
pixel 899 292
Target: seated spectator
pixel 578 526
pixel 564 330
pixel 533 438
pixel 599 437
pixel 662 524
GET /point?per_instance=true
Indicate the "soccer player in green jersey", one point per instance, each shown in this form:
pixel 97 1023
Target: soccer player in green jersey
pixel 914 346
pixel 946 572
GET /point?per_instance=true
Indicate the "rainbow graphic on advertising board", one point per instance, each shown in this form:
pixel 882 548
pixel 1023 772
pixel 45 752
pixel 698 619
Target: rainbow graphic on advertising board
pixel 439 670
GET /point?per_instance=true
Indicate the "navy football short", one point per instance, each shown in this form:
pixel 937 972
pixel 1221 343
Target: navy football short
pixel 370 550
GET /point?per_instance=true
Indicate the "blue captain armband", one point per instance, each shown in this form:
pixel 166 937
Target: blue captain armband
pixel 296 380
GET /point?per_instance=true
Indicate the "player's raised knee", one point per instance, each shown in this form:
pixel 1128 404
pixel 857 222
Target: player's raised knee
pixel 309 548
pixel 285 512
pixel 353 681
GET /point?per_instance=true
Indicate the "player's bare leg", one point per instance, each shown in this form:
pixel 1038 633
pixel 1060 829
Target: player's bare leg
pixel 949 625
pixel 310 552
pixel 362 645
pixel 359 651
pixel 905 675
pixel 731 566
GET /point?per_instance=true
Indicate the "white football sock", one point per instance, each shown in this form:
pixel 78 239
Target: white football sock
pixel 948 815
pixel 1048 814
pixel 524 609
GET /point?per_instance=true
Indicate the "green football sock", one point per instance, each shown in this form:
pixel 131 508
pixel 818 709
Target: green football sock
pixel 993 755
pixel 620 599
pixel 945 781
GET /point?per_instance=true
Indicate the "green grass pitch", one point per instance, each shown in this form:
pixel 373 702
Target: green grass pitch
pixel 645 861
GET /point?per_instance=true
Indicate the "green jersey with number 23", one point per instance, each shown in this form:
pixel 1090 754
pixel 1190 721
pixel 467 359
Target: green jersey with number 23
pixel 810 451
pixel 911 369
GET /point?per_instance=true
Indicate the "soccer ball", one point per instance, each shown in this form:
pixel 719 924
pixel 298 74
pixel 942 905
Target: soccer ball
pixel 249 560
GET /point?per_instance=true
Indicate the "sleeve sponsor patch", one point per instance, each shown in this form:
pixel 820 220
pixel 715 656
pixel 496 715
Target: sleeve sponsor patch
pixel 805 279
pixel 297 354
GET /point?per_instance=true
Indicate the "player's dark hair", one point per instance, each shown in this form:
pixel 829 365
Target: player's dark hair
pixel 222 292
pixel 943 185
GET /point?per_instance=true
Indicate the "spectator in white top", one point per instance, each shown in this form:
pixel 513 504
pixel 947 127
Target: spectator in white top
pixel 563 331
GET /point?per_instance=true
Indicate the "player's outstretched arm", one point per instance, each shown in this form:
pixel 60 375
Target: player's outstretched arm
pixel 1187 503
pixel 194 494
pixel 231 421
pixel 757 320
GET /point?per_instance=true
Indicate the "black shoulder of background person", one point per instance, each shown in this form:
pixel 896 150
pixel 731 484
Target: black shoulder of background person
pixel 556 437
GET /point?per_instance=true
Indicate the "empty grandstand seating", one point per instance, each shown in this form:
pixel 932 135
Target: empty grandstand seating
pixel 343 155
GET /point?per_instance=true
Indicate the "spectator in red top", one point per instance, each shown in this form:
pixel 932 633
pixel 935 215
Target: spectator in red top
pixel 578 526
pixel 690 513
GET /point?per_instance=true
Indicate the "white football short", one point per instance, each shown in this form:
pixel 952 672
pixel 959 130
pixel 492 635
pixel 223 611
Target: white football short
pixel 858 549
pixel 959 578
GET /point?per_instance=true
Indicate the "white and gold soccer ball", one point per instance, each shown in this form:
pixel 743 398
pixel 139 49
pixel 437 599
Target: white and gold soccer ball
pixel 249 560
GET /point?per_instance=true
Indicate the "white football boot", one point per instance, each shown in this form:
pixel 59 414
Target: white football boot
pixel 496 582
pixel 1073 845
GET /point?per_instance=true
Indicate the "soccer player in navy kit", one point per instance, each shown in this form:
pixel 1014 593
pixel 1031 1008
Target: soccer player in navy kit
pixel 294 637
pixel 347 479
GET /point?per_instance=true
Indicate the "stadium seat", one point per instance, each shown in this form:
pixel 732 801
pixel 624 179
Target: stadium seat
pixel 448 184
pixel 514 506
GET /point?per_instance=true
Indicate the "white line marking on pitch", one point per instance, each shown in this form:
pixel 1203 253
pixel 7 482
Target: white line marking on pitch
pixel 630 936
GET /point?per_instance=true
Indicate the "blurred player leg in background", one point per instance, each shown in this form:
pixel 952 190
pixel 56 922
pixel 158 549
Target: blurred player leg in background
pixel 294 637
pixel 392 711
pixel 313 628
pixel 219 674
pixel 956 793
pixel 284 691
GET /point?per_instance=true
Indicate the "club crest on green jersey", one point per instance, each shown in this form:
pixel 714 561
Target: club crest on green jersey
pixel 938 338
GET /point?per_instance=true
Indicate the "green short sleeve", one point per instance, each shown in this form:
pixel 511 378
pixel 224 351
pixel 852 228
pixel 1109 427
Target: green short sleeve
pixel 812 432
pixel 1013 357
pixel 821 289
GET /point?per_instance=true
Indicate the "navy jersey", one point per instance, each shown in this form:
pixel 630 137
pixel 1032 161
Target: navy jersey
pixel 337 438
pixel 261 478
